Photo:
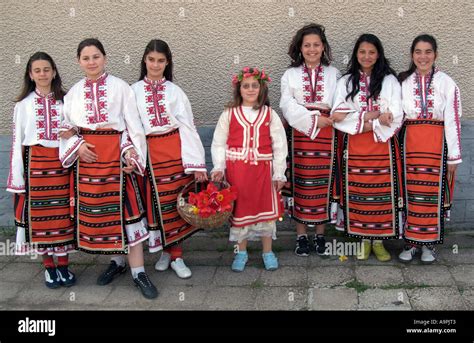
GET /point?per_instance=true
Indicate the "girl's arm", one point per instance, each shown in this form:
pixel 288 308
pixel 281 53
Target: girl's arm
pixel 297 116
pixel 68 145
pixel 452 121
pixel 219 143
pixel 279 147
pixel 192 150
pixel 16 179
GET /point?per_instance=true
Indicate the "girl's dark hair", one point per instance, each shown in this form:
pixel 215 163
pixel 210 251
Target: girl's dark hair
pixel 161 46
pixel 90 42
pixel 261 100
pixel 29 85
pixel 421 38
pixel 380 70
pixel 295 46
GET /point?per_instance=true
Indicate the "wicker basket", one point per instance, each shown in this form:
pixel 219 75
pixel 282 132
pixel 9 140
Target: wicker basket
pixel 185 209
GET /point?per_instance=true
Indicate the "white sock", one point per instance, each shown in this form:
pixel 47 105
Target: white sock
pixel 119 259
pixel 137 270
pixel 304 234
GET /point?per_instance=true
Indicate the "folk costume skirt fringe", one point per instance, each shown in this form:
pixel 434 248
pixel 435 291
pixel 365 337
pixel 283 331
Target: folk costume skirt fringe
pixel 428 192
pixel 312 177
pixel 43 212
pixel 109 208
pixel 372 196
pixel 164 180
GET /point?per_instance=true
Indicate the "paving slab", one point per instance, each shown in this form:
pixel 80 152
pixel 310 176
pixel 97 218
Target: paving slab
pixel 201 276
pixel 226 277
pixel 455 256
pixel 20 272
pixel 330 299
pixel 428 275
pixel 9 290
pixel 329 276
pixel 282 298
pixel 231 298
pixel 285 276
pixel 377 276
pixel 436 299
pixel 463 274
pixel 181 298
pixel 384 299
pixel 468 296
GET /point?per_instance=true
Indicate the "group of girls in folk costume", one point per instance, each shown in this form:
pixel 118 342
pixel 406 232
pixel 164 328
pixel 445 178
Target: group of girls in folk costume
pixel 40 184
pixel 99 169
pixel 249 148
pixel 386 154
pixel 307 92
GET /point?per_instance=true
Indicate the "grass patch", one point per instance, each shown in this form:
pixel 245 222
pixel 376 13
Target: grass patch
pixel 404 286
pixel 357 285
pixel 257 284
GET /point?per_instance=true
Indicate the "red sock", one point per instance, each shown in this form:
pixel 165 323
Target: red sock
pixel 48 261
pixel 176 251
pixel 63 260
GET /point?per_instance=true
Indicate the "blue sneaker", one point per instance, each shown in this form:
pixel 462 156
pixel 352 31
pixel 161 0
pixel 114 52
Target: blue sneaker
pixel 270 260
pixel 240 259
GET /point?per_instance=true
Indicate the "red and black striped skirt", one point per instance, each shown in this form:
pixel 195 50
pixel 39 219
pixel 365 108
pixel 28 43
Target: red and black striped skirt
pixel 106 198
pixel 372 195
pixel 428 192
pixel 164 180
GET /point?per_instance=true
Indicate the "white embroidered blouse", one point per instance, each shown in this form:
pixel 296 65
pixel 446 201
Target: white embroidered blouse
pixel 106 103
pixel 443 103
pixel 36 120
pixel 389 100
pixel 164 107
pixel 298 95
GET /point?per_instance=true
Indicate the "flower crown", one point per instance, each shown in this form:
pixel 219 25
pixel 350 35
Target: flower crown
pixel 248 72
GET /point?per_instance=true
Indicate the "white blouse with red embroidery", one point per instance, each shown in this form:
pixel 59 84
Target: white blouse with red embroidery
pixel 164 107
pixel 443 102
pixel 105 103
pixel 299 95
pixel 277 133
pixel 36 120
pixel 389 100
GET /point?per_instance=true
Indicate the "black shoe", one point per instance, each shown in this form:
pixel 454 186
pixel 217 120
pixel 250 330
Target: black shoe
pixel 109 274
pixel 319 243
pixel 302 246
pixel 51 278
pixel 66 277
pixel 149 290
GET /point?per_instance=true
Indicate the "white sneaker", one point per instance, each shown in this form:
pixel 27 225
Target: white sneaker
pixel 180 268
pixel 164 262
pixel 407 254
pixel 427 254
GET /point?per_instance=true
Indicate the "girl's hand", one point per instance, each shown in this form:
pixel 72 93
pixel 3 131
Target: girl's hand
pixel 129 161
pixel 87 155
pixel 338 116
pixel 67 134
pixel 324 122
pixel 386 119
pixel 200 176
pixel 278 185
pixel 451 172
pixel 217 176
pixel 371 115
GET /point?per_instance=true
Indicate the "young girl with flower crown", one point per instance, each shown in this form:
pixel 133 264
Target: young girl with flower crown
pixel 249 147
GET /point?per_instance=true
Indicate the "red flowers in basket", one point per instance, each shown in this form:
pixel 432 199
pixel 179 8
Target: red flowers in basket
pixel 212 200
